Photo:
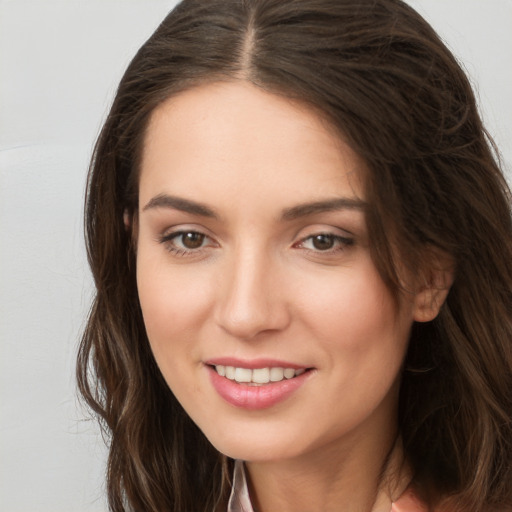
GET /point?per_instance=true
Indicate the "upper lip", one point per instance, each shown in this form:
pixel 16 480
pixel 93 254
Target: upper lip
pixel 251 364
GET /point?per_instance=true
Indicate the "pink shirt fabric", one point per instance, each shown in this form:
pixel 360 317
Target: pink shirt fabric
pixel 408 502
pixel 239 500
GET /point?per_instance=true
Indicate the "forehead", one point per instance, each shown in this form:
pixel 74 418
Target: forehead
pixel 228 139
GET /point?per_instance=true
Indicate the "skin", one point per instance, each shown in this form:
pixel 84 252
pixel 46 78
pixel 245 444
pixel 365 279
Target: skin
pixel 259 284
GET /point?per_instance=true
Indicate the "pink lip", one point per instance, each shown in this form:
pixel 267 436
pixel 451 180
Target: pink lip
pixel 255 397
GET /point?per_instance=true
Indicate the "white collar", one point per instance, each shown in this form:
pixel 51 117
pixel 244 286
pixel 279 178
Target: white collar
pixel 239 500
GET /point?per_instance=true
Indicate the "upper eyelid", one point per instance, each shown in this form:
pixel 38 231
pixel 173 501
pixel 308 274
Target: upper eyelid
pixel 323 229
pixel 185 228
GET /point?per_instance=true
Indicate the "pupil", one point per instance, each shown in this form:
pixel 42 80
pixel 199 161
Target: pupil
pixel 323 242
pixel 192 240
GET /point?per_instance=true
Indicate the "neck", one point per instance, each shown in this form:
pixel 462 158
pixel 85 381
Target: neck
pixel 359 477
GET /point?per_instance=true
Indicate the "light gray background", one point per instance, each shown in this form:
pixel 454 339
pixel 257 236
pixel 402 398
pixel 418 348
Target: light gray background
pixel 60 62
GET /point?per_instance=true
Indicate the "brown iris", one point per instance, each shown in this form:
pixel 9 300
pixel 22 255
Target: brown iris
pixel 323 242
pixel 192 240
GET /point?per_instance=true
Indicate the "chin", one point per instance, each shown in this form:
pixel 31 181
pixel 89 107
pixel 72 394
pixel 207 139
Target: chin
pixel 253 446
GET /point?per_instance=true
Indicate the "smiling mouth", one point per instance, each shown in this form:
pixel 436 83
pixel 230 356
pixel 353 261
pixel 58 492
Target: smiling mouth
pixel 257 376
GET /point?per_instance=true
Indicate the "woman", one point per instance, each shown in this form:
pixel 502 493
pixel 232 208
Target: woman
pixel 300 240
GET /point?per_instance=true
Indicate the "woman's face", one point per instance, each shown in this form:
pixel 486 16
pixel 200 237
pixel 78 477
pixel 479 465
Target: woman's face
pixel 263 307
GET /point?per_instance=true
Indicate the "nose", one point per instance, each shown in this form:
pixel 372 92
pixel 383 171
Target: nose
pixel 253 298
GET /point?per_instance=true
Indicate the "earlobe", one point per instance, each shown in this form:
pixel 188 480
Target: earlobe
pixel 432 293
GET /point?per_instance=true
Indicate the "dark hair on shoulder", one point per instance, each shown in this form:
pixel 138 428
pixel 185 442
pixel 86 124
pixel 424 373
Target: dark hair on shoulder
pixel 380 74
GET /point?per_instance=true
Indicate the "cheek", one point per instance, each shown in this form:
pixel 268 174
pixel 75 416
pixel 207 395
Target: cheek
pixel 351 301
pixel 356 319
pixel 172 305
pixel 364 336
pixel 173 302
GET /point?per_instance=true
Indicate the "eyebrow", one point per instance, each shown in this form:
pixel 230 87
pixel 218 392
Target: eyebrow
pixel 295 212
pixel 340 203
pixel 178 203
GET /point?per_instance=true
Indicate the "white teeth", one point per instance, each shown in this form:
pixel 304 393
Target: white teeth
pixel 289 373
pixel 276 374
pixel 230 372
pixel 261 375
pixel 243 375
pixel 258 375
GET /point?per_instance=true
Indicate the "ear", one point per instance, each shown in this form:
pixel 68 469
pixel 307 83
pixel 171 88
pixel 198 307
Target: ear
pixel 131 226
pixel 127 219
pixel 433 288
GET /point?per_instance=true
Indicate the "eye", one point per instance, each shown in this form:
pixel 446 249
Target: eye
pixel 322 242
pixel 325 242
pixel 183 242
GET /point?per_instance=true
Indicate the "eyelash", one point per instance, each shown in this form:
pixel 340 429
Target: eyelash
pixel 341 243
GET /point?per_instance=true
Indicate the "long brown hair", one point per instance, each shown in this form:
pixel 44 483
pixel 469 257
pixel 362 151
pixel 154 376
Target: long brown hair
pixel 379 73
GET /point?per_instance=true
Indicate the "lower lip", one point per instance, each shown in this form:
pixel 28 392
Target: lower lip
pixel 255 397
